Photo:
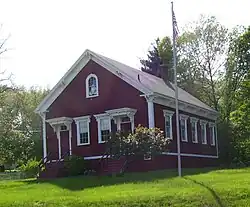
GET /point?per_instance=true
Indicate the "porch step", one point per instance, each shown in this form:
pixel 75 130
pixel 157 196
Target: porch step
pixel 53 170
pixel 112 166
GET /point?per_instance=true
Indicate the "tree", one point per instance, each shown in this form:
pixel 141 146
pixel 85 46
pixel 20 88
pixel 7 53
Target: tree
pixel 159 59
pixel 240 116
pixel 135 145
pixel 202 51
pixel 20 127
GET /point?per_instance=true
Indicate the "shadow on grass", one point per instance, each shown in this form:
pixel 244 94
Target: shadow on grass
pixel 211 190
pixel 82 182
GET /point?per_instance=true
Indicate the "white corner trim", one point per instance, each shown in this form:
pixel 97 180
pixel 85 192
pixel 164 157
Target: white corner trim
pixel 43 116
pixel 87 86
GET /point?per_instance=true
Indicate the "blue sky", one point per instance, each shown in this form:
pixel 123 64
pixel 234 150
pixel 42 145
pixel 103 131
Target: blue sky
pixel 48 36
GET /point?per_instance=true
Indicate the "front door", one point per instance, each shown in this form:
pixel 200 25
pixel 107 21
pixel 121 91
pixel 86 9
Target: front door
pixel 126 127
pixel 64 143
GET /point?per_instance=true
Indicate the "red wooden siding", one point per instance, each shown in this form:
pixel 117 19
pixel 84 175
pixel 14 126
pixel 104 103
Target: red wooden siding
pixel 186 147
pixel 113 93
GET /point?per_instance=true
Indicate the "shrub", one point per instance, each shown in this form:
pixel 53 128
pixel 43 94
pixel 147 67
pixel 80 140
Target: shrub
pixel 30 169
pixel 76 165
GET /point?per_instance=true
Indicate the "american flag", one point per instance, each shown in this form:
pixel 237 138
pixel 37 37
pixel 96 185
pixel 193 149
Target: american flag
pixel 175 27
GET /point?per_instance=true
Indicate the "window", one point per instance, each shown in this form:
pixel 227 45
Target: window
pixel 168 124
pixel 91 86
pixel 147 156
pixel 194 130
pixel 212 133
pixel 203 132
pixel 183 127
pixel 105 129
pixel 63 128
pixel 82 125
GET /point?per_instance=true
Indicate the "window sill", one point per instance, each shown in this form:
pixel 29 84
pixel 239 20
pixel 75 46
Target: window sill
pixel 195 142
pixel 204 143
pixel 184 140
pixel 92 96
pixel 84 144
pixel 101 142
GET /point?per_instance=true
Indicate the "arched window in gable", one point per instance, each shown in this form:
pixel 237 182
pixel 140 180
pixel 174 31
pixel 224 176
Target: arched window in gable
pixel 92 86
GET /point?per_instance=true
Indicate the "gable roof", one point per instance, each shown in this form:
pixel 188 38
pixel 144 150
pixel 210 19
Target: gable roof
pixel 144 82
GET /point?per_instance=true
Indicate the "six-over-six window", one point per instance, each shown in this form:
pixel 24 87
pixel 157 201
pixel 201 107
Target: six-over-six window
pixel 104 128
pixel 104 123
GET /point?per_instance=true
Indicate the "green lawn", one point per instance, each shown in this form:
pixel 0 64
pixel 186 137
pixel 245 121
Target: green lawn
pixel 206 187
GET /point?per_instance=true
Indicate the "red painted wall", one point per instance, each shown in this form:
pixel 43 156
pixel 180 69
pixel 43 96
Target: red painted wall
pixel 186 147
pixel 113 93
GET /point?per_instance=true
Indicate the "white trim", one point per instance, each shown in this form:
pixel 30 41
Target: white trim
pixel 184 106
pixel 102 61
pixel 204 123
pixel 59 143
pixel 43 116
pixel 115 114
pixel 98 118
pixel 212 137
pixel 194 120
pixel 185 118
pixel 78 120
pixel 147 157
pixel 87 86
pixel 96 157
pixel 76 68
pixel 56 123
pixel 164 153
pixel 170 115
pixel 70 140
pixel 191 155
pixel 151 113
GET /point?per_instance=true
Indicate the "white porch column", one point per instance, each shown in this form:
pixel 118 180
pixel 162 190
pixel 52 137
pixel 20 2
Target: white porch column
pixel 70 140
pixel 43 116
pixel 59 142
pixel 151 115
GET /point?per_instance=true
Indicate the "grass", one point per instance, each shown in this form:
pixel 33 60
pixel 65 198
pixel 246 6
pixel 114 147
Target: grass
pixel 198 187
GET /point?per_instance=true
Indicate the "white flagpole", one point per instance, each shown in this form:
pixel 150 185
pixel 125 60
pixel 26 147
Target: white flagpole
pixel 176 94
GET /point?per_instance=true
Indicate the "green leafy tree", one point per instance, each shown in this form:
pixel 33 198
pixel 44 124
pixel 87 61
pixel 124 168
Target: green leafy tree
pixel 135 145
pixel 159 59
pixel 240 116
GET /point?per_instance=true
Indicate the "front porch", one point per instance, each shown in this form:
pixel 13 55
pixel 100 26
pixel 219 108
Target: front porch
pixel 122 119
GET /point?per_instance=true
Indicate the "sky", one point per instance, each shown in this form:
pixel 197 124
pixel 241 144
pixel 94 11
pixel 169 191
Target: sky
pixel 48 36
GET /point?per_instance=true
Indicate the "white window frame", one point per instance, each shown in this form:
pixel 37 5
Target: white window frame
pixel 204 123
pixel 100 117
pixel 169 114
pixel 77 121
pixel 214 133
pixel 185 118
pixel 87 86
pixel 194 120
